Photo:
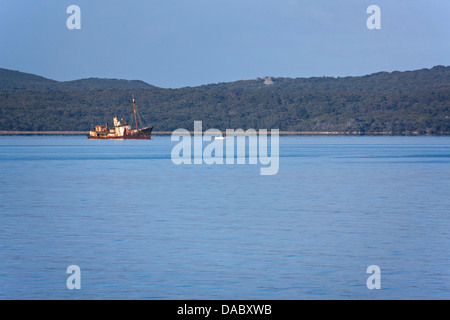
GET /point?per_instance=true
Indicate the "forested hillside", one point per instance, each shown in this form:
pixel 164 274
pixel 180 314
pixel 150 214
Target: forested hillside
pixel 397 102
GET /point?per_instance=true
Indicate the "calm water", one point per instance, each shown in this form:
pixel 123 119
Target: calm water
pixel 140 227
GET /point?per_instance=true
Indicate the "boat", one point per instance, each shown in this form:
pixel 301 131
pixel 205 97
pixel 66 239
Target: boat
pixel 121 130
pixel 220 137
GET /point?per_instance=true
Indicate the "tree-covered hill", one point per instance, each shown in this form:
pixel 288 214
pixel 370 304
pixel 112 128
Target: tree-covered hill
pixel 15 80
pixel 434 78
pixel 397 102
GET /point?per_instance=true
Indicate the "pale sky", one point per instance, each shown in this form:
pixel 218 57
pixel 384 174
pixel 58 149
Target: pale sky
pixel 176 43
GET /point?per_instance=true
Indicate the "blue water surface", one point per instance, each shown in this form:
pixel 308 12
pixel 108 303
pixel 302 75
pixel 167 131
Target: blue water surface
pixel 141 227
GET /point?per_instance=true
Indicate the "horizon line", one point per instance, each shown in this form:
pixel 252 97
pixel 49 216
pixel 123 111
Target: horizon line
pixel 233 81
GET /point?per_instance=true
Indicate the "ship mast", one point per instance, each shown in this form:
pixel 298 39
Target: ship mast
pixel 135 118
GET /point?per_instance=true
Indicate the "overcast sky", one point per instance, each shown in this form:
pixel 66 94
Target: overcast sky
pixel 176 43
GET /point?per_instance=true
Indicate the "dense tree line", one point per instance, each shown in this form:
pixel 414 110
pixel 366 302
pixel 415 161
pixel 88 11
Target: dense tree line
pixel 398 102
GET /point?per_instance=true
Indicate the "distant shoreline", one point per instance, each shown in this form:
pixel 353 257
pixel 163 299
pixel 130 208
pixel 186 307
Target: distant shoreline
pixel 282 133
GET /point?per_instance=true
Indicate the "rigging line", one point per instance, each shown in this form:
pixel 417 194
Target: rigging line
pixel 138 117
pixel 142 117
pixel 140 120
